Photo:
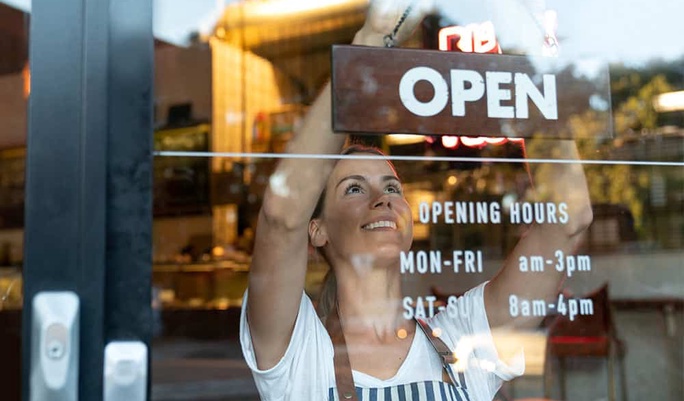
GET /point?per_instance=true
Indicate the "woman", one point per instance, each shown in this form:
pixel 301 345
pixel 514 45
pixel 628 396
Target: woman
pixel 362 224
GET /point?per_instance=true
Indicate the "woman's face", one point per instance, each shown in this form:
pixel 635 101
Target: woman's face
pixel 365 213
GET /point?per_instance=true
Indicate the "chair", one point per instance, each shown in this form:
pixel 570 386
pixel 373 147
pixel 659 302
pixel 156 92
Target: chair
pixel 588 335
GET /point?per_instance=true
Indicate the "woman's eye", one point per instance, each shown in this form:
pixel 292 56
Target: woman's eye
pixel 393 189
pixel 353 189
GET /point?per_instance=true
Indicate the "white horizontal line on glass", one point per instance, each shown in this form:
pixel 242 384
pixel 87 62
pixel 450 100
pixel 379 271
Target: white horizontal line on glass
pixel 167 153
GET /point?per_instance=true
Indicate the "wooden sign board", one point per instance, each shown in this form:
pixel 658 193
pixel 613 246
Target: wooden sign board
pixel 409 91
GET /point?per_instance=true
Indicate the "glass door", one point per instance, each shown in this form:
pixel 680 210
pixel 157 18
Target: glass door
pixel 86 255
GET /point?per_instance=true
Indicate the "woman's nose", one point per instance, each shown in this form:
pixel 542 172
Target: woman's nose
pixel 381 201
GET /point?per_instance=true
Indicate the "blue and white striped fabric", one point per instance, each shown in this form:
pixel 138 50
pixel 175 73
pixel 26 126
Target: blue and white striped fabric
pixel 419 391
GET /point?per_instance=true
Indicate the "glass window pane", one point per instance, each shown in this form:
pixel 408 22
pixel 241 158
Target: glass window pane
pixel 233 92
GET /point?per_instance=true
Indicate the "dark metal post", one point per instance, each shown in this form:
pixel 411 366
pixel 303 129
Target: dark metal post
pixel 129 173
pixel 88 203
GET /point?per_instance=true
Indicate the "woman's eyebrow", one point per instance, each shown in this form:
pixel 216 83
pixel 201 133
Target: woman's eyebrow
pixel 390 178
pixel 384 178
pixel 350 177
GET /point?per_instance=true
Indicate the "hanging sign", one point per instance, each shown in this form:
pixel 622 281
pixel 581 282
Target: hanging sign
pixel 381 90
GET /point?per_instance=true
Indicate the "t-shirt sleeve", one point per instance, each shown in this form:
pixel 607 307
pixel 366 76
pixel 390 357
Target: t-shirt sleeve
pixel 506 370
pixel 307 348
pixel 467 329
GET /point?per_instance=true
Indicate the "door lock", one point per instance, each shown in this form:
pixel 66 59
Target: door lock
pixel 125 371
pixel 54 346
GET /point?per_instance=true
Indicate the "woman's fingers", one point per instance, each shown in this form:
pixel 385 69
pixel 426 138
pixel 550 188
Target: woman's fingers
pixel 384 15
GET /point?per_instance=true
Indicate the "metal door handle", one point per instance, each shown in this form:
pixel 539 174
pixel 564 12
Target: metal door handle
pixel 54 346
pixel 125 371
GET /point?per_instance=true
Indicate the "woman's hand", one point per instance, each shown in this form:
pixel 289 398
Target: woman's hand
pixel 383 16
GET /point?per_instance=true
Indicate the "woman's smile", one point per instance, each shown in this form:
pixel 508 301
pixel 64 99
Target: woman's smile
pixel 383 225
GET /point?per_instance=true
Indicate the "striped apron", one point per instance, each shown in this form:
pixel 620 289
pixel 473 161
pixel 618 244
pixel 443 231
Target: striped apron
pixel 418 391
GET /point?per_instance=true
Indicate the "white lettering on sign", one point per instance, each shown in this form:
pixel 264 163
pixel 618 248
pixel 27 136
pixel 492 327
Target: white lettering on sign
pixel 460 94
pixel 460 212
pixel 424 262
pixel 428 306
pixel 570 264
pixel 499 87
pixel 468 212
pixel 408 97
pixel 539 212
pixel 546 103
pixel 496 94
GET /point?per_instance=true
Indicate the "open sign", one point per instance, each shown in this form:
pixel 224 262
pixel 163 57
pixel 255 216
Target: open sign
pixel 470 86
pixel 380 90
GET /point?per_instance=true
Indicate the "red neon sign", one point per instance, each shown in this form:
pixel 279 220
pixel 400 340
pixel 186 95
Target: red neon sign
pixel 473 38
pixel 452 142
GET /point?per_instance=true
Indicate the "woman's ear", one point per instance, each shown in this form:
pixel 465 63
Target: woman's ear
pixel 317 235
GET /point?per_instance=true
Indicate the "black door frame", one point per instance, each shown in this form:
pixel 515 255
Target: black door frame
pixel 89 173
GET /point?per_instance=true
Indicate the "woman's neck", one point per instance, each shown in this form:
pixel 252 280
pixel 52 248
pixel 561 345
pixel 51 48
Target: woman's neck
pixel 369 300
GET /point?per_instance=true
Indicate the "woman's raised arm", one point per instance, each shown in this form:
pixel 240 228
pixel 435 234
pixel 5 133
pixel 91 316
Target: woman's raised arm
pixel 278 269
pixel 565 186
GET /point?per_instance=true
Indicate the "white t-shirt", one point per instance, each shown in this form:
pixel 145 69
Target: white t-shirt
pixel 307 372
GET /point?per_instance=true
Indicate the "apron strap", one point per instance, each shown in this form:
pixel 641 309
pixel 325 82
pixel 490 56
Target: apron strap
pixel 442 350
pixel 343 373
